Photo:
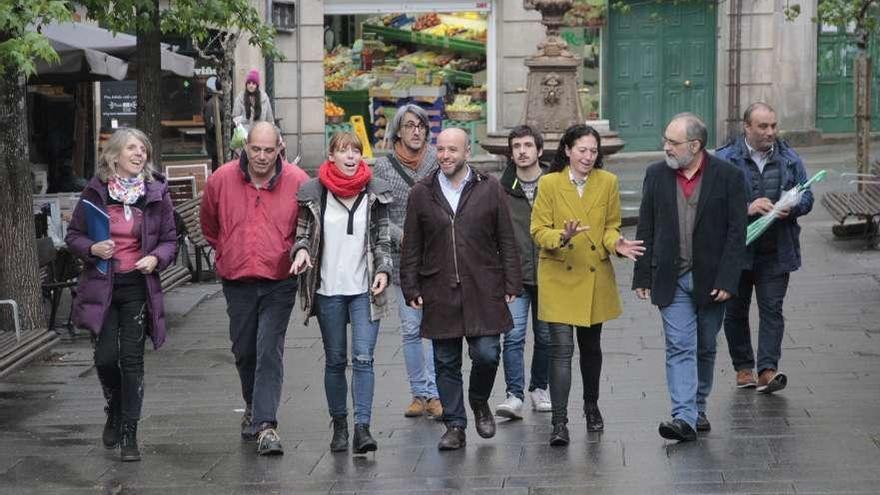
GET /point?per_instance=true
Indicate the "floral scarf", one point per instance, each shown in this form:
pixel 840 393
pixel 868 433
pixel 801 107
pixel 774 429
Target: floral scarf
pixel 126 191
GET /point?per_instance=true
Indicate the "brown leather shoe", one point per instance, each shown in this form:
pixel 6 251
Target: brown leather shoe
pixel 416 408
pixel 771 381
pixel 434 408
pixel 745 378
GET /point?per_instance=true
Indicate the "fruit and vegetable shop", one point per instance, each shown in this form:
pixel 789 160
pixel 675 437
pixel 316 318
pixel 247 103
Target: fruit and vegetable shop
pixel 433 56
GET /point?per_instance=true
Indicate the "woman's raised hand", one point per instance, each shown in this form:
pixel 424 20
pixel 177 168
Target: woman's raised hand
pixel 629 249
pixel 571 229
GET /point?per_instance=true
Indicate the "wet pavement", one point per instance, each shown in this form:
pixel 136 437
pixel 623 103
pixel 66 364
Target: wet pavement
pixel 819 435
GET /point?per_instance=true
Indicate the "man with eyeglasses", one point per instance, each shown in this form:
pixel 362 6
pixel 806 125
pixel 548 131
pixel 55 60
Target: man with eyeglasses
pixel 693 225
pixel 412 159
pixel 248 215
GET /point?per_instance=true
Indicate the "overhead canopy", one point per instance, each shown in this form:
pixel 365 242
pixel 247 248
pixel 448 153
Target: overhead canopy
pixel 91 53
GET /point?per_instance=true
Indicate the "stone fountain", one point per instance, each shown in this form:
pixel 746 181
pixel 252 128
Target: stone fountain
pixel 552 102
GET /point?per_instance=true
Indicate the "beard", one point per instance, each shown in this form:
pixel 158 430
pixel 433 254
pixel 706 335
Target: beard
pixel 676 163
pixel 456 169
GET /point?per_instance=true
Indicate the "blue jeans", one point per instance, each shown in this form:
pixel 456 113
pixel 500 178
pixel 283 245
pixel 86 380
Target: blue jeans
pixel 419 358
pixel 691 332
pixel 770 288
pixel 333 315
pixel 258 316
pixel 514 342
pixel 485 352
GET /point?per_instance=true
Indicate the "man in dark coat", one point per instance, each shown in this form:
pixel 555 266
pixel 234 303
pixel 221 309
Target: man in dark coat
pixel 693 222
pixel 460 264
pixel 771 167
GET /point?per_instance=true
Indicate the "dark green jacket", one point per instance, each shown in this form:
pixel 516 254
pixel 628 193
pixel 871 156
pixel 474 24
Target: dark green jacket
pixel 521 216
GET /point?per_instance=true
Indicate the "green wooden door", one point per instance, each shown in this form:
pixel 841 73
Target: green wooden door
pixel 661 62
pixel 835 102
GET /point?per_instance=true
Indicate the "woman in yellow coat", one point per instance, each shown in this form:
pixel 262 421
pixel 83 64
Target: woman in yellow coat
pixel 576 226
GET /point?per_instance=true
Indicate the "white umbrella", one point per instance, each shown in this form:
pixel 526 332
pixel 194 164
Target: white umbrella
pixel 119 45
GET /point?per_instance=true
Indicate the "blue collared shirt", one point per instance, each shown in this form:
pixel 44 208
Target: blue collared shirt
pixel 451 193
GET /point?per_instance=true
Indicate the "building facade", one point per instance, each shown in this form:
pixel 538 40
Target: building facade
pixel 642 66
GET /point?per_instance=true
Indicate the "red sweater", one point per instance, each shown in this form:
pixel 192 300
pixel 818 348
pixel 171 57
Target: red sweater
pixel 250 229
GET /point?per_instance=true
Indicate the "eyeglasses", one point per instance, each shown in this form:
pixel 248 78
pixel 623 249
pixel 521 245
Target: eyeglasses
pixel 256 150
pixel 671 142
pixel 410 127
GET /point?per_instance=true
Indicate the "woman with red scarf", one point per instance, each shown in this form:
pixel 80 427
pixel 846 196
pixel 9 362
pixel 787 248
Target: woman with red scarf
pixel 342 255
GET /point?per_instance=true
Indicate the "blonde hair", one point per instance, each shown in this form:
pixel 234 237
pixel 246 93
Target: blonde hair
pixel 113 148
pixel 342 140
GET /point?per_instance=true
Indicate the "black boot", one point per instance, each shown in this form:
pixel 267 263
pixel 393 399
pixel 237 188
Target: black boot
pixel 113 409
pixel 559 436
pixel 594 417
pixel 363 442
pixel 128 443
pixel 339 442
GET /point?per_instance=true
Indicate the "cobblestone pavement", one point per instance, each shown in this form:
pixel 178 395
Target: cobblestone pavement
pixel 820 435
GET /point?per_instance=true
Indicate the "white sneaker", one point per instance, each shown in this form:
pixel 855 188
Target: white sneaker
pixel 511 408
pixel 541 400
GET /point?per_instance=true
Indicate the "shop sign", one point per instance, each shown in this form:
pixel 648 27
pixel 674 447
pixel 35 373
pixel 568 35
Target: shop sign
pixel 118 104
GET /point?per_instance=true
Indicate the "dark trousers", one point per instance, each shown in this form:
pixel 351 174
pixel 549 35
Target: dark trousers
pixel 485 353
pixel 258 316
pixel 119 350
pixel 561 352
pixel 770 288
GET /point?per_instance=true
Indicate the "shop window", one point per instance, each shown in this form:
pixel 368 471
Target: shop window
pixel 434 59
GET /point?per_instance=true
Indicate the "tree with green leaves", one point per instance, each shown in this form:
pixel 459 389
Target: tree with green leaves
pixel 219 24
pixel 864 15
pixel 20 48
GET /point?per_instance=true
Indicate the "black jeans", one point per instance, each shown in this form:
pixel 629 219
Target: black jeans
pixel 561 351
pixel 770 287
pixel 119 348
pixel 259 312
pixel 485 353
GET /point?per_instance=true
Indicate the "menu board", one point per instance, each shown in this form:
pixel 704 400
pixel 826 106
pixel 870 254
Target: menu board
pixel 118 104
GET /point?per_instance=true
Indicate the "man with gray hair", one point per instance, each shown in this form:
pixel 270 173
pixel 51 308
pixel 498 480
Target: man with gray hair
pixel 412 159
pixel 693 224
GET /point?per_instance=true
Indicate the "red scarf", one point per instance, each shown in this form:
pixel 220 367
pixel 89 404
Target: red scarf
pixel 344 186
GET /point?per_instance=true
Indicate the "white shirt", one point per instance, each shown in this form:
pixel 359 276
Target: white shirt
pixel 759 157
pixel 451 193
pixel 344 256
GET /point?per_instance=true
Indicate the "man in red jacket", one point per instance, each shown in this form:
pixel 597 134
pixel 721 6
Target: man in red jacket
pixel 248 216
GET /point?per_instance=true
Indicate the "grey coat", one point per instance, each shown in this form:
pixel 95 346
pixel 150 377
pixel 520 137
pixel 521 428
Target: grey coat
pixel 400 191
pixel 308 237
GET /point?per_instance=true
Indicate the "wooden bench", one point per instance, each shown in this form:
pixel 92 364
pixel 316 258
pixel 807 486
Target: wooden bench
pixel 863 203
pixel 173 276
pixel 189 214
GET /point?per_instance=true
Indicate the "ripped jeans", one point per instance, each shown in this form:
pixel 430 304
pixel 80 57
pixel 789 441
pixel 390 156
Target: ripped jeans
pixel 119 349
pixel 334 312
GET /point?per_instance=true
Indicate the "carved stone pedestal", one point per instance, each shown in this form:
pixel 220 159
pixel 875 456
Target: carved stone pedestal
pixel 552 102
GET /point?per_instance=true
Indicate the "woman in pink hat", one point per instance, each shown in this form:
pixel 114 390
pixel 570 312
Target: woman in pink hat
pixel 252 104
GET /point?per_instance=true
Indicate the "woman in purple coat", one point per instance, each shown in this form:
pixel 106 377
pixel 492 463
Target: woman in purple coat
pixel 119 297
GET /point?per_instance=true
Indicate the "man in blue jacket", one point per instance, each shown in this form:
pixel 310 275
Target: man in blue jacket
pixel 771 167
